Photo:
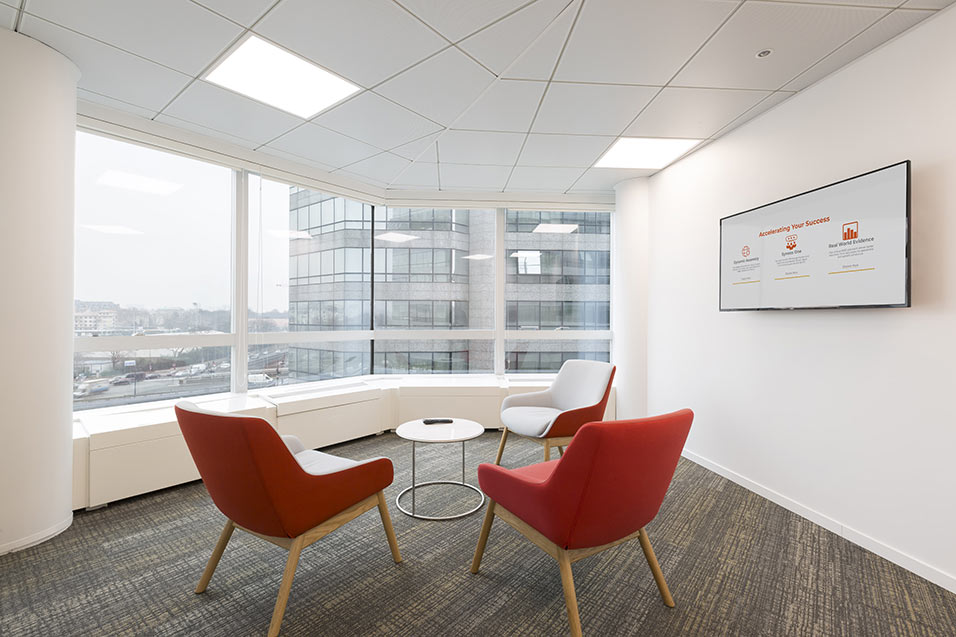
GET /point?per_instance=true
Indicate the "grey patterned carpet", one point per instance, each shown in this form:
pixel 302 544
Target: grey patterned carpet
pixel 736 565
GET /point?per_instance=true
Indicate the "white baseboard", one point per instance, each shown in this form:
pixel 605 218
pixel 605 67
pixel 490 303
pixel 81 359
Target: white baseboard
pixel 38 537
pixel 910 563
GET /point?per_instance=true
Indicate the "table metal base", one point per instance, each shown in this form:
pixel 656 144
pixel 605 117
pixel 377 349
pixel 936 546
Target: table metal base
pixel 439 517
pixel 416 485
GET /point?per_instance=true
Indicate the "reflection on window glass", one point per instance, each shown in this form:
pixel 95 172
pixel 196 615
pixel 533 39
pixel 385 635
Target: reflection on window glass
pixel 547 356
pixel 153 241
pixel 274 365
pixel 104 379
pixel 433 356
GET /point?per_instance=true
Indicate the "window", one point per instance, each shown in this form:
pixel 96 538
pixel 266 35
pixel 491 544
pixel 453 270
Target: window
pixel 153 257
pixel 336 287
pixel 326 241
pixel 557 279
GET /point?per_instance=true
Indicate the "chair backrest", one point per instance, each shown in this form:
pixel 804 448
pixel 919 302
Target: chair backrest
pixel 615 475
pixel 580 383
pixel 243 463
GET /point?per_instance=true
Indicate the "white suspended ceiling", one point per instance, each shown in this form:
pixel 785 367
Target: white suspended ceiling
pixel 492 95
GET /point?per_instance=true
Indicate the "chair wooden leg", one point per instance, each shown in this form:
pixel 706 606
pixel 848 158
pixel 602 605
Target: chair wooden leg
pixel 567 581
pixel 216 554
pixel 483 537
pixel 501 445
pixel 655 568
pixel 389 531
pixel 547 450
pixel 286 585
pixel 561 451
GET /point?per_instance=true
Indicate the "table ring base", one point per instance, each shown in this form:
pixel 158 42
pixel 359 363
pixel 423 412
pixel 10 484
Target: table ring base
pixel 398 502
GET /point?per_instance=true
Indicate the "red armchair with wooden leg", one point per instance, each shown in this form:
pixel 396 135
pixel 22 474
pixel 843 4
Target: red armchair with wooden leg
pixel 603 491
pixel 578 395
pixel 277 490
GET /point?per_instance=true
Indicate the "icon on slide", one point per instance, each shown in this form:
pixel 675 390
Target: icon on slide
pixel 745 251
pixel 791 241
pixel 851 230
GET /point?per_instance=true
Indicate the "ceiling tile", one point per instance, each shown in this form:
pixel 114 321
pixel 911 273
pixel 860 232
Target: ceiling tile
pixel 275 152
pixel 469 177
pixel 8 17
pixel 421 174
pixel 107 70
pixel 457 18
pixel 563 150
pixel 12 3
pixel 870 3
pixel 181 35
pixel 887 28
pixel 381 168
pixel 205 130
pixel 590 109
pixel 497 46
pixel 604 179
pixel 762 107
pixel 96 98
pixel 542 178
pixel 799 34
pixel 638 41
pixel 695 113
pixel 324 146
pixel 538 58
pixel 245 12
pixel 439 88
pixel 421 149
pixel 472 147
pixel 509 105
pixel 365 41
pixel 231 113
pixel 928 4
pixel 376 121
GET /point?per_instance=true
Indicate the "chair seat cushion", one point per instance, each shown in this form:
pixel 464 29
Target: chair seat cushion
pixel 529 421
pixel 318 463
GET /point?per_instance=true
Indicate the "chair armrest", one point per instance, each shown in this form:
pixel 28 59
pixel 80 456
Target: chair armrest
pixel 528 399
pixel 293 443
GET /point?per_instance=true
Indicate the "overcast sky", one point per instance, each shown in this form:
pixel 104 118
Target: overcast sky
pixel 154 230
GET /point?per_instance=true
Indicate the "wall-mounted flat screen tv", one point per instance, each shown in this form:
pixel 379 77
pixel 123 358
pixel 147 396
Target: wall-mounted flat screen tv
pixel 841 245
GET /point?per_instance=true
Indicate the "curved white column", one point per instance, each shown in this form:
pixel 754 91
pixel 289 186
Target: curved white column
pixel 38 132
pixel 629 269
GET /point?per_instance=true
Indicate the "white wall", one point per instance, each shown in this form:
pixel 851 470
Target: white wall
pixel 37 129
pixel 629 296
pixel 845 416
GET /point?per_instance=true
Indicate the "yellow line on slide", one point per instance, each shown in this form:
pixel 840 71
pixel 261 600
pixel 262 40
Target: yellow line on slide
pixel 845 271
pixel 745 282
pixel 799 276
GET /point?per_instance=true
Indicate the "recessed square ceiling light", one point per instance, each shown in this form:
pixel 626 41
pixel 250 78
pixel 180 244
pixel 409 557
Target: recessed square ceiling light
pixel 478 257
pixel 645 152
pixel 562 228
pixel 271 75
pixel 396 237
pixel 139 183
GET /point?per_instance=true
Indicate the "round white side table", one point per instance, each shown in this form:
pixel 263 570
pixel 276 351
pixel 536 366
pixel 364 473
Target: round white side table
pixel 459 430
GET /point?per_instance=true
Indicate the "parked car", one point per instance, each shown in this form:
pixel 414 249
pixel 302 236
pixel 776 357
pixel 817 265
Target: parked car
pixel 120 380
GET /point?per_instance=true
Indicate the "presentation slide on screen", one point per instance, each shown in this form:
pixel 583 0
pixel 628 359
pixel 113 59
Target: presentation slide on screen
pixel 841 245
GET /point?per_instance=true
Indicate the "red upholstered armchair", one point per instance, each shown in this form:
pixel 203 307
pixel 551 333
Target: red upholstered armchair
pixel 277 490
pixel 551 417
pixel 605 488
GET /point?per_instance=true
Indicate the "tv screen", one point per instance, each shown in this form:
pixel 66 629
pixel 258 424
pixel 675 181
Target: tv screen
pixel 842 245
